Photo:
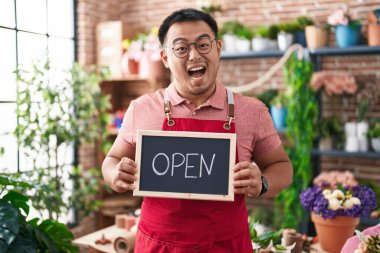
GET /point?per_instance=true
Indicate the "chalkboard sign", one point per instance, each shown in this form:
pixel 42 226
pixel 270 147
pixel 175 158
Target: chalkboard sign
pixel 185 165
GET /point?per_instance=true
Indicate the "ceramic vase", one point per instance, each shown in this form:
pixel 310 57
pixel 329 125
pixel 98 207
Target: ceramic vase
pixel 333 233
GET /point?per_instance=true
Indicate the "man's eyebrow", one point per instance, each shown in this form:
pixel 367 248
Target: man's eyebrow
pixel 205 35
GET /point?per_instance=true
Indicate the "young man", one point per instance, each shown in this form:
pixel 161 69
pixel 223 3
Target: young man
pixel 198 102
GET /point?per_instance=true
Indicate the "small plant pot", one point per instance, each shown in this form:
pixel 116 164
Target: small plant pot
pixel 347 35
pixel 316 37
pixel 375 142
pixel 229 43
pixel 260 44
pixel 374 34
pixel 279 117
pixel 242 45
pixel 284 40
pixel 300 38
pixel 325 143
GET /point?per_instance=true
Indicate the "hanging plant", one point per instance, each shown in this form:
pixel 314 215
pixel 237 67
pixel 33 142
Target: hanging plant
pixel 301 120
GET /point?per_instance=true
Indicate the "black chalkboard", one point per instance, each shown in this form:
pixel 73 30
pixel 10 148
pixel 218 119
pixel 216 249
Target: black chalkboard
pixel 189 165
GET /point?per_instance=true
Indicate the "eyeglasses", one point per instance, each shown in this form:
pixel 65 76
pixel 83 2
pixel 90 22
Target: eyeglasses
pixel 182 49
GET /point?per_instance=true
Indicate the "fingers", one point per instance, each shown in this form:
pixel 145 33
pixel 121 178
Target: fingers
pixel 125 175
pixel 247 179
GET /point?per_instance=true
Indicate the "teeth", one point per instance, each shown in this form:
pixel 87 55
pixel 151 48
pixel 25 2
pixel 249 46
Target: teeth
pixel 197 68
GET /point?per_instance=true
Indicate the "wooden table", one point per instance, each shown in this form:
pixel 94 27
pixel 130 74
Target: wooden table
pixel 88 241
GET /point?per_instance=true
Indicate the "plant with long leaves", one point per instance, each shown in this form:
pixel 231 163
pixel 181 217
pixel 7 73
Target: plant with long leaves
pixel 301 121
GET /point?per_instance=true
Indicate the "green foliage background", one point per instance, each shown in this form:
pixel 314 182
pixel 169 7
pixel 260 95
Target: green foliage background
pixel 301 121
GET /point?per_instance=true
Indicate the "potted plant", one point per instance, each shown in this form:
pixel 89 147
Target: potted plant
pixel 265 38
pixel 285 36
pixel 299 35
pixel 279 111
pixel 267 96
pixel 335 212
pixel 330 131
pixel 20 233
pixel 317 36
pixel 228 33
pixel 373 19
pixel 347 29
pixel 374 134
pixel 244 36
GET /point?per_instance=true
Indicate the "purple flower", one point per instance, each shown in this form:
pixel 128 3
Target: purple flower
pixel 316 200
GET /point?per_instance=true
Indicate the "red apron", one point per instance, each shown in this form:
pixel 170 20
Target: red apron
pixel 182 226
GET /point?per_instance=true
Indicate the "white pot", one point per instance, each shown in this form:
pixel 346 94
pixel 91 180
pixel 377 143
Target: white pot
pixel 273 44
pixel 352 144
pixel 229 43
pixel 361 131
pixel 376 144
pixel 260 44
pixel 242 45
pixel 284 40
pixel 350 129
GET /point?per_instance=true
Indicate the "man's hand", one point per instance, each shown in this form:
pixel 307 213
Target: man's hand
pixel 247 179
pixel 125 175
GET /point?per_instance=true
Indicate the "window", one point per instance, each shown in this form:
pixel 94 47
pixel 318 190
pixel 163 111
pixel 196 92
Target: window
pixel 29 29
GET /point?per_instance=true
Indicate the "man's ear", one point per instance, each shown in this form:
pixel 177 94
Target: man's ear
pixel 164 58
pixel 219 45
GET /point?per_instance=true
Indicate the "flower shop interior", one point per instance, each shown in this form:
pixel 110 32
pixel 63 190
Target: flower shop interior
pixel 70 69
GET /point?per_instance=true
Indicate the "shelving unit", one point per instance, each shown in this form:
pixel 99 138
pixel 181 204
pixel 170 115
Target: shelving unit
pixel 122 92
pixel 342 153
pixel 327 51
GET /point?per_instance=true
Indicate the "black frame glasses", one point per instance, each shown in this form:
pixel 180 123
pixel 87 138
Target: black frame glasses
pixel 182 49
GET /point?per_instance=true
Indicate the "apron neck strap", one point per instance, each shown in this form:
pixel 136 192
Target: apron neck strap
pixel 231 110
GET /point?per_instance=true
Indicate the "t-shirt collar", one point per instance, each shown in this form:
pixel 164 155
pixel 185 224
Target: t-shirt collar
pixel 216 100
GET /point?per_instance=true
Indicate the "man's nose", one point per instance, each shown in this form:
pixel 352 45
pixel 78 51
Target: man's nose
pixel 193 53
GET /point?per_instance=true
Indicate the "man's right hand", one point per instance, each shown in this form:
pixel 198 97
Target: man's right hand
pixel 125 175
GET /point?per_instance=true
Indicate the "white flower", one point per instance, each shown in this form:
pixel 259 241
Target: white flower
pixel 329 196
pixel 334 204
pixel 348 204
pixel 355 201
pixel 338 194
pixel 326 192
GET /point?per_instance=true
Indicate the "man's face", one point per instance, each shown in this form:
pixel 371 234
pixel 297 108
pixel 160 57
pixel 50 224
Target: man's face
pixel 196 73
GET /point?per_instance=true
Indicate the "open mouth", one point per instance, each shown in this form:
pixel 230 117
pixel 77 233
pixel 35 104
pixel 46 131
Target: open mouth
pixel 197 72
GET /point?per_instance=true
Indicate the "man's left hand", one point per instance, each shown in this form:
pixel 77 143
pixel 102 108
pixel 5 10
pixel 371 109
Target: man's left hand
pixel 247 179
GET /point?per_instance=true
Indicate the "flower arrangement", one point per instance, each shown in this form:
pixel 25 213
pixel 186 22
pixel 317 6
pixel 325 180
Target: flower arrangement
pixel 357 201
pixel 334 83
pixel 334 178
pixel 341 17
pixel 144 42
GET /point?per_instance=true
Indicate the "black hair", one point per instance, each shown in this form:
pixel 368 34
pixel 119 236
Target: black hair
pixel 183 16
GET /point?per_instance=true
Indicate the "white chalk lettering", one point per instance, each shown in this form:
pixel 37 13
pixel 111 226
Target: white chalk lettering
pixel 154 167
pixel 188 166
pixel 208 168
pixel 173 161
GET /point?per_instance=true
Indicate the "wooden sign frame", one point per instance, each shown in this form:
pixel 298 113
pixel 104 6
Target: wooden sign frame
pixel 180 195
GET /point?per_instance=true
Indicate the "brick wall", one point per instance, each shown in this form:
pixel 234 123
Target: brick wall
pixel 148 13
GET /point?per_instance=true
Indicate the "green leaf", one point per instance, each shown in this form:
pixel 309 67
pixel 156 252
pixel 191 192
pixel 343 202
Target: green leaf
pixel 18 200
pixel 24 242
pixel 9 224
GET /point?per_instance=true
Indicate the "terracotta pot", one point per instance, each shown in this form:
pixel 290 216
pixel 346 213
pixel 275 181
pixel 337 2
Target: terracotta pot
pixel 316 37
pixel 333 233
pixel 129 66
pixel 374 34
